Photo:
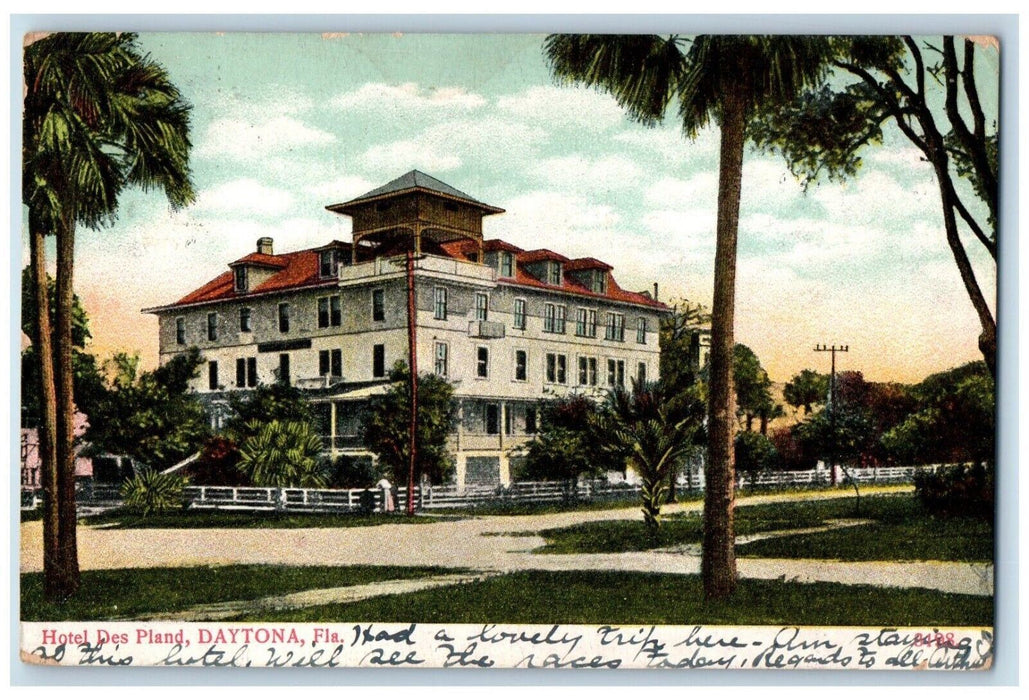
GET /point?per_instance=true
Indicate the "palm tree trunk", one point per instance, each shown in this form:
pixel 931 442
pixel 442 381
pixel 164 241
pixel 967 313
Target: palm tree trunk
pixel 47 429
pixel 718 562
pixel 67 563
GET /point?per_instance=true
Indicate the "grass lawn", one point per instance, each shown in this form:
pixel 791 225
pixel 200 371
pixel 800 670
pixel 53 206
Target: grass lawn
pixel 600 597
pixel 545 508
pixel 122 593
pixel 126 520
pixel 903 532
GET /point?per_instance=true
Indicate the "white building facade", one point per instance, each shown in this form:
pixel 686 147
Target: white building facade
pixel 507 327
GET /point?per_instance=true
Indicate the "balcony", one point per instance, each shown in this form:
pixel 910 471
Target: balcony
pixel 433 265
pixel 486 329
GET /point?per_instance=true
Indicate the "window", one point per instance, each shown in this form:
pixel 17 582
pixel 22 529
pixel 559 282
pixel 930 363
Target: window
pixel 330 362
pixel 323 312
pixel 508 422
pixel 554 273
pixel 519 314
pixel 284 368
pixel 521 365
pixel 244 320
pixel 241 372
pixel 212 326
pixel 473 257
pixel 327 262
pixel 329 312
pixel 335 312
pixel 598 282
pixel 641 330
pixel 591 324
pixel 379 361
pixel 440 304
pixel 442 353
pixel 378 305
pixel 482 362
pixel 506 264
pixel 491 418
pixel 283 318
pixel 481 306
pixel 557 368
pixel 530 419
pixel 615 327
pixel 580 322
pixel 549 318
pixel 616 373
pixel 212 376
pixel 587 371
pixel 559 319
pixel 180 331
pixel 641 374
pixel 251 371
pixel 241 278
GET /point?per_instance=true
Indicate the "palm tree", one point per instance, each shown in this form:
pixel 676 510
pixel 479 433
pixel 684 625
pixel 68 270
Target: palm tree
pixel 99 116
pixel 649 428
pixel 727 79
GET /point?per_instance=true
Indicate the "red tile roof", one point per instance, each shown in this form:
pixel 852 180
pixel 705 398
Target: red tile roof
pixel 586 264
pixel 260 259
pixel 296 270
pixel 532 256
pixel 300 269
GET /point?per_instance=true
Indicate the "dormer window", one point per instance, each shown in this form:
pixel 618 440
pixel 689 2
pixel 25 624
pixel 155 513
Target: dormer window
pixel 598 282
pixel 241 279
pixel 506 264
pixel 327 263
pixel 554 273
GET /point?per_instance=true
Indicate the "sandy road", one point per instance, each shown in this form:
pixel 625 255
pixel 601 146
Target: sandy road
pixel 482 543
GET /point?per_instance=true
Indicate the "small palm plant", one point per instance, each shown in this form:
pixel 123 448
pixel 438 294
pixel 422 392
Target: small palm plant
pixel 282 454
pixel 651 428
pixel 150 492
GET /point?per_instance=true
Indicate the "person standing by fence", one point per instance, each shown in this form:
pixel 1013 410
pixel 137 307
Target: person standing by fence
pixel 388 506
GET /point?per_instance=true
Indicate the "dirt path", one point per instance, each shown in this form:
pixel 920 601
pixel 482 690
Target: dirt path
pixel 484 544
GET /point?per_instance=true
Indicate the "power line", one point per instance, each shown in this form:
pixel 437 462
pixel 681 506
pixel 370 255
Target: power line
pixel 832 404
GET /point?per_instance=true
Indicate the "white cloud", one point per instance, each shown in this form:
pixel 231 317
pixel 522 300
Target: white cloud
pixel 397 100
pixel 342 188
pixel 244 197
pixel 249 140
pixel 563 107
pixel 494 144
pixel 577 172
pixel 699 191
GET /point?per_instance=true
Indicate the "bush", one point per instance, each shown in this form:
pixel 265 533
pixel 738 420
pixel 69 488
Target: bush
pixel 217 465
pixel 755 453
pixel 282 454
pixel 150 492
pixel 957 490
pixel 350 472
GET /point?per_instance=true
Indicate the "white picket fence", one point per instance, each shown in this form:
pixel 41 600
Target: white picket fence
pixel 442 498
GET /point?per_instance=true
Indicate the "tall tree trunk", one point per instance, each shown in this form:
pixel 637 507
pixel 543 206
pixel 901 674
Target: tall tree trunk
pixel 718 562
pixel 67 578
pixel 47 430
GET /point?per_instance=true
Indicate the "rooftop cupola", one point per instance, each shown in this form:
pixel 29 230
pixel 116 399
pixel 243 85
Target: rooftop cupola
pixel 410 210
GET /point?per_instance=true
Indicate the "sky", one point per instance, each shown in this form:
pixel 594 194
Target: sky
pixel 285 124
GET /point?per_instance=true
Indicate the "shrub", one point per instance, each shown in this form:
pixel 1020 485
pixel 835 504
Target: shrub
pixel 350 472
pixel 755 453
pixel 282 454
pixel 217 465
pixel 150 492
pixel 957 490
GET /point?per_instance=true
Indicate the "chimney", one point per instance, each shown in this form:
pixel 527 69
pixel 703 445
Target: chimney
pixel 655 290
pixel 264 245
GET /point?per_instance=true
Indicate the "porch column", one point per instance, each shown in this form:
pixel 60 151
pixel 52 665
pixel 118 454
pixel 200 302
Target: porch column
pixel 332 426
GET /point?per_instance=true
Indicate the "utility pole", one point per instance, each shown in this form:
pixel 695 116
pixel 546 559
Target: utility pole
pixel 413 367
pixel 832 404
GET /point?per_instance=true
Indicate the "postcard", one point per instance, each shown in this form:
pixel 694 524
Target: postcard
pixel 509 351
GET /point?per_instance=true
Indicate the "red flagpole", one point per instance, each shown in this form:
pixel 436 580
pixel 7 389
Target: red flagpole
pixel 413 366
